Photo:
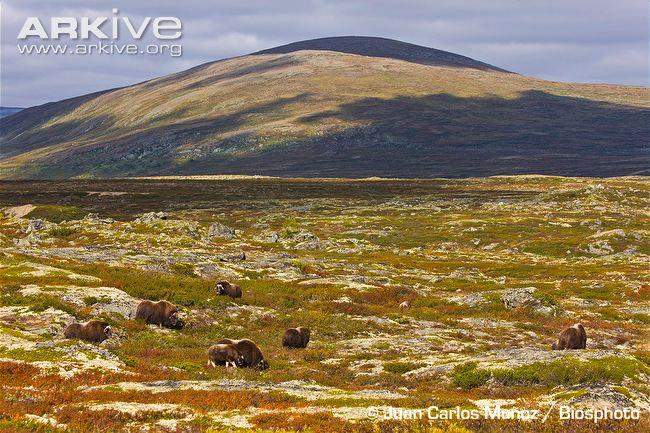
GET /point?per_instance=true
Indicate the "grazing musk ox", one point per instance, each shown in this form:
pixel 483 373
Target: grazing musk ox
pixel 225 354
pixel 161 313
pixel 296 337
pixel 253 357
pixel 93 331
pixel 574 337
pixel 229 289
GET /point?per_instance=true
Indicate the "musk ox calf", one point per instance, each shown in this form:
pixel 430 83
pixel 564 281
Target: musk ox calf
pixel 252 355
pixel 574 337
pixel 93 331
pixel 229 289
pixel 296 338
pixel 225 354
pixel 161 313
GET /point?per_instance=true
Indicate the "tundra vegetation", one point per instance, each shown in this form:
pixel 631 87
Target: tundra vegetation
pixel 492 270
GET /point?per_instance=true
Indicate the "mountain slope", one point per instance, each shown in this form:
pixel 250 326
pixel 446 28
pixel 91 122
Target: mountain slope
pixel 315 112
pixel 7 111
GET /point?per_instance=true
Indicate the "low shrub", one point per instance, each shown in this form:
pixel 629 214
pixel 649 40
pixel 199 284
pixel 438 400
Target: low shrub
pixel 62 232
pixel 57 214
pixel 569 371
pixel 468 376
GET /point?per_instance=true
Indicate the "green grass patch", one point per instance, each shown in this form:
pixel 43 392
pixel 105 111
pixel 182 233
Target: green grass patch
pixel 569 371
pixel 62 232
pixel 43 302
pixel 184 269
pixel 57 214
pixel 89 301
pixel 31 355
pixel 468 376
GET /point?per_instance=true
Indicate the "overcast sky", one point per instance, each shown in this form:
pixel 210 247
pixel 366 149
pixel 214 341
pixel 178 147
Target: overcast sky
pixel 566 40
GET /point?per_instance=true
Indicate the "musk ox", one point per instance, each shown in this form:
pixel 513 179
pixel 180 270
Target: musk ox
pixel 229 289
pixel 296 337
pixel 225 354
pixel 93 331
pixel 161 313
pixel 253 357
pixel 574 337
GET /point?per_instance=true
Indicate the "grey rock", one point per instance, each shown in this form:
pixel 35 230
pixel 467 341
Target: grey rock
pixel 152 217
pixel 303 236
pixel 523 297
pixel 218 230
pixel 607 396
pixel 269 237
pixel 309 245
pixel 35 225
pixel 96 218
pixel 471 300
pixel 599 248
pixel 305 241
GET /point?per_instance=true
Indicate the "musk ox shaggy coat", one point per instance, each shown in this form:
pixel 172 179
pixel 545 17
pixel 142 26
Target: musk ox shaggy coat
pixel 296 337
pixel 229 289
pixel 225 354
pixel 93 331
pixel 160 313
pixel 574 337
pixel 253 357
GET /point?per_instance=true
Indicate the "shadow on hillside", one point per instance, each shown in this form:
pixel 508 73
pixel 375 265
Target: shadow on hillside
pixel 33 120
pixel 156 148
pixel 450 136
pixel 438 135
pixel 15 140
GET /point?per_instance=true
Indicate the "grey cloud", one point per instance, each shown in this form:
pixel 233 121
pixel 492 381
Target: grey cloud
pixel 579 40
